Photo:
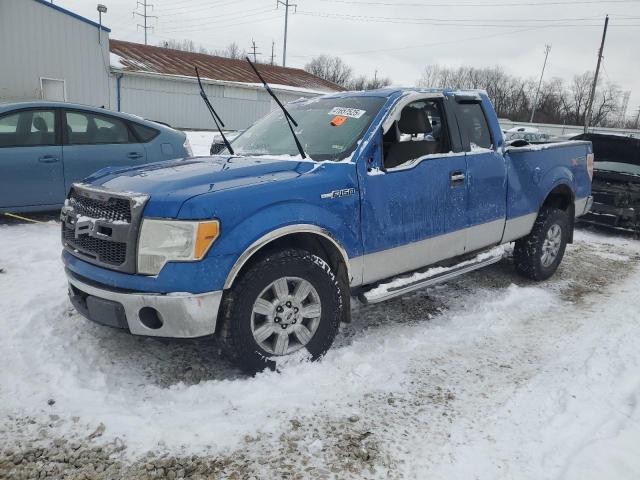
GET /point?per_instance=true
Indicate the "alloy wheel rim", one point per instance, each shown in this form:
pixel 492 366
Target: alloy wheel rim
pixel 286 315
pixel 551 245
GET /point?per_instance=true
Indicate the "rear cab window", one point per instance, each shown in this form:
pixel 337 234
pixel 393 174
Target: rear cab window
pixel 28 128
pixel 474 126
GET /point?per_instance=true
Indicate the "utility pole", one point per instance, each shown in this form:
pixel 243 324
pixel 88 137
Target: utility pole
pixel 637 122
pixel 547 49
pixel 144 16
pixel 255 52
pixel 587 117
pixel 273 51
pixel 286 23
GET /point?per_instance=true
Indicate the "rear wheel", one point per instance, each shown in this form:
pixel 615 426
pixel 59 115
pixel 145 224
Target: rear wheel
pixel 538 255
pixel 285 302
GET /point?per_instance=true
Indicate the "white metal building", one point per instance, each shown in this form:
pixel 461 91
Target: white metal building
pixel 159 84
pixel 48 52
pixel 51 53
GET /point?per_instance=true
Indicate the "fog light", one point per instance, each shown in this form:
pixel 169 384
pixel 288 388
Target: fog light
pixel 150 318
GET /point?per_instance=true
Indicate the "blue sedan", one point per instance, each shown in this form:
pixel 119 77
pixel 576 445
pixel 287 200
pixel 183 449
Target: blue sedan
pixel 47 146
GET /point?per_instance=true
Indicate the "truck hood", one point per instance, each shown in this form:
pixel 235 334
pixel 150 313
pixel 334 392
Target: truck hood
pixel 170 183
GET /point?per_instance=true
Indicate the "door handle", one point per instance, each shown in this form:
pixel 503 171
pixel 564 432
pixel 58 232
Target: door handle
pixel 134 155
pixel 457 178
pixel 48 159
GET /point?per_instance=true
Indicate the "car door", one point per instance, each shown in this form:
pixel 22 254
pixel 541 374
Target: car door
pixel 414 213
pixel 31 172
pixel 486 175
pixel 93 141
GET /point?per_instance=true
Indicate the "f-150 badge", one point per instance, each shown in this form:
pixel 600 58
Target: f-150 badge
pixel 344 192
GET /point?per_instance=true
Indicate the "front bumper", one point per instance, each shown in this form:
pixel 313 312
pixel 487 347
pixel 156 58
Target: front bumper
pixel 178 315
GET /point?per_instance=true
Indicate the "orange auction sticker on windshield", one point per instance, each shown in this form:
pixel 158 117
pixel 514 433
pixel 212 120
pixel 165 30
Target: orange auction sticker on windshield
pixel 338 120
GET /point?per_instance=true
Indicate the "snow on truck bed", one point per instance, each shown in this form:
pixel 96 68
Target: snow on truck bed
pixel 488 377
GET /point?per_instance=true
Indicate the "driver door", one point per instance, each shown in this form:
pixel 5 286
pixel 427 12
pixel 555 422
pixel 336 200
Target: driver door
pixel 414 211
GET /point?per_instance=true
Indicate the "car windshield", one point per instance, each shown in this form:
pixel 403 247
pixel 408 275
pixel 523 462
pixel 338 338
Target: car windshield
pixel 328 128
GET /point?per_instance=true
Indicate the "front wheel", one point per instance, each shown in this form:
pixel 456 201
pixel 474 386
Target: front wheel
pixel 538 255
pixel 285 302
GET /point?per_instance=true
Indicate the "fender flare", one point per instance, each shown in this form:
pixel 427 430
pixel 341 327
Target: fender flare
pixel 279 233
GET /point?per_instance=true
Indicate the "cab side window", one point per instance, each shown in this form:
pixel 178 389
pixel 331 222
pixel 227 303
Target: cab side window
pixel 90 129
pixel 474 124
pixel 28 128
pixel 420 131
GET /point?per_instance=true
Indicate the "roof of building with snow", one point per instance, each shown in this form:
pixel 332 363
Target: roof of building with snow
pixel 135 57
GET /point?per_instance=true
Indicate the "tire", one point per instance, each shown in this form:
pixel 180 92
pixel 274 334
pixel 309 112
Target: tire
pixel 538 255
pixel 260 303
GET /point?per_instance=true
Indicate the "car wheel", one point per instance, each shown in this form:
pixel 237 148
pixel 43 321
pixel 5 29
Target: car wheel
pixel 286 302
pixel 538 255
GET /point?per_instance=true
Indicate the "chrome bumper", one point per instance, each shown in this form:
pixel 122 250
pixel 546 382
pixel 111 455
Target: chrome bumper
pixel 173 315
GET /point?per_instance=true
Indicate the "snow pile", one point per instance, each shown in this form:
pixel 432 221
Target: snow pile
pixel 504 381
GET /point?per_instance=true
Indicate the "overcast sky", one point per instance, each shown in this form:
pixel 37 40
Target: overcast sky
pixel 398 38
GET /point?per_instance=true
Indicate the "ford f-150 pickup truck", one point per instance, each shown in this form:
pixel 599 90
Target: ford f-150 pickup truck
pixel 387 191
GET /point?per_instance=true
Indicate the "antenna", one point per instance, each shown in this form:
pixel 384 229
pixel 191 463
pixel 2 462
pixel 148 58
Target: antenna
pixel 144 16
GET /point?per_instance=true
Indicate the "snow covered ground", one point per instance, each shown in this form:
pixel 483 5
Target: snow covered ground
pixel 487 377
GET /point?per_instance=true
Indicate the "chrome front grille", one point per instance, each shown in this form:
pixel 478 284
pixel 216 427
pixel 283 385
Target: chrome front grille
pixel 112 209
pixel 101 227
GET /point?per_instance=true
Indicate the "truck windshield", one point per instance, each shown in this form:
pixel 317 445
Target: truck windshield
pixel 328 128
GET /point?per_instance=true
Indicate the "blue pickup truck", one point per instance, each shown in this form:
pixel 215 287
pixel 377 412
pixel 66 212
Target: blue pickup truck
pixel 395 190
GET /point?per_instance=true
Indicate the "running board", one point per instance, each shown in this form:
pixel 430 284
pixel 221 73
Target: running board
pixel 401 286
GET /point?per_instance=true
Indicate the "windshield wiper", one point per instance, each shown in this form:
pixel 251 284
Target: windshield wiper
pixel 287 115
pixel 214 115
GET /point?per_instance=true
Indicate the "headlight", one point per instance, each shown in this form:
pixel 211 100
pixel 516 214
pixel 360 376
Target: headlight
pixel 163 241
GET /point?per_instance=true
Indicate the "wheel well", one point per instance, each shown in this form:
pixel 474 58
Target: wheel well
pixel 312 242
pixel 562 197
pixel 316 244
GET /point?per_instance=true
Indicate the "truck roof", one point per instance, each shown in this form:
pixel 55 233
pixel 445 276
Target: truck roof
pixel 393 91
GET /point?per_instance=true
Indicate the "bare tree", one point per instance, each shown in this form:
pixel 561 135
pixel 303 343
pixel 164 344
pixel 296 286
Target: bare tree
pixel 184 45
pixel 512 96
pixel 330 68
pixel 232 51
pixel 363 82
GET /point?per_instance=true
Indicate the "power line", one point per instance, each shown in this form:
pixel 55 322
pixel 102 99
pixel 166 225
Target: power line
pixel 480 5
pixel 547 49
pixel 226 23
pixel 144 16
pixel 432 44
pixel 286 5
pixel 587 119
pixel 455 22
pixel 255 53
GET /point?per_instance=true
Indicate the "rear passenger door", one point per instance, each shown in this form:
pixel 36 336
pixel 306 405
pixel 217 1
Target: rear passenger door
pixel 31 171
pixel 93 141
pixel 486 175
